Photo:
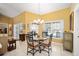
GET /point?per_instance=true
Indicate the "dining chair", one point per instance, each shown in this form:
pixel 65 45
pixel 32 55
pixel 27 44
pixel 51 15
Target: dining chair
pixel 32 45
pixel 44 34
pixel 47 47
pixel 11 44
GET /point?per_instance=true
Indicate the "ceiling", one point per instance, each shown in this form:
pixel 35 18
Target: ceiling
pixel 13 9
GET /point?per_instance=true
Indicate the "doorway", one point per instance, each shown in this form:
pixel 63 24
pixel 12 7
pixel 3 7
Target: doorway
pixel 17 29
pixel 76 31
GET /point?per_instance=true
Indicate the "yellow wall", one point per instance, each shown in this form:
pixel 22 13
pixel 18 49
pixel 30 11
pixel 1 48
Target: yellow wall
pixel 5 19
pixel 25 18
pixel 28 17
pixel 19 18
pixel 63 14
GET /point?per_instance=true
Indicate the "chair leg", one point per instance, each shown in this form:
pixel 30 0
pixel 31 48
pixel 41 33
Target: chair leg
pixel 39 49
pixel 27 53
pixel 51 49
pixel 27 50
pixel 33 54
pixel 48 51
pixel 15 44
pixel 33 51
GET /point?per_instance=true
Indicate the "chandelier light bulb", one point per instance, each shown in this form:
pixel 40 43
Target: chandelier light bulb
pixel 42 21
pixel 38 20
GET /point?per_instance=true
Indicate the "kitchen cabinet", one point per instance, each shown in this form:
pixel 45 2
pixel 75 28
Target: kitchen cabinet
pixel 68 41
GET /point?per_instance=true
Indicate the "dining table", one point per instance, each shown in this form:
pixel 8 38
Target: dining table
pixel 40 40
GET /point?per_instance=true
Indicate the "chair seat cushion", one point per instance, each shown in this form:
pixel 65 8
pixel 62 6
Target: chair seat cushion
pixel 33 45
pixel 46 41
pixel 45 45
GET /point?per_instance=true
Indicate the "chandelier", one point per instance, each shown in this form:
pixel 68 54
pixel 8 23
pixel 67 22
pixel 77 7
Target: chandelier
pixel 38 21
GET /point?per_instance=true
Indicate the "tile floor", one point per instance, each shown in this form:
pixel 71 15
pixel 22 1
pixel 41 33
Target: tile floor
pixel 57 50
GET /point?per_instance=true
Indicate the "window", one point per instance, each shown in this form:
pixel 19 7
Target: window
pixel 18 29
pixel 34 27
pixel 48 27
pixel 56 28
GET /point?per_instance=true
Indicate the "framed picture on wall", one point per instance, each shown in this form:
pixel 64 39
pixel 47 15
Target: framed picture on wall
pixel 72 21
pixel 3 28
pixel 10 29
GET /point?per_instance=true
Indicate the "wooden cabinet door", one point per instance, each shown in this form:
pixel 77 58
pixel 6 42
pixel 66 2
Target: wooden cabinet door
pixel 68 41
